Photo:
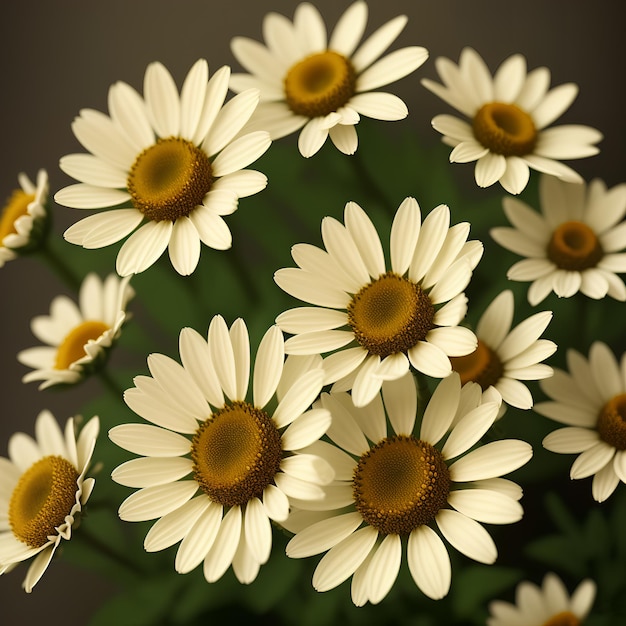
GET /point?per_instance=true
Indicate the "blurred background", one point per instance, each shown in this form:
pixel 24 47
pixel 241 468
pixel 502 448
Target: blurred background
pixel 58 57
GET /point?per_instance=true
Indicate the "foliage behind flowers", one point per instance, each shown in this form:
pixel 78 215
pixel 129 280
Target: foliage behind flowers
pixel 562 528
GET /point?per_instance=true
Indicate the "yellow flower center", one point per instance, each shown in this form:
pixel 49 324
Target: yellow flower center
pixel 169 179
pixel 565 618
pixel 320 84
pixel 505 129
pixel 483 366
pixel 42 498
pixel 575 247
pixel 72 347
pixel 400 484
pixel 611 423
pixel 236 453
pixel 16 206
pixel 391 314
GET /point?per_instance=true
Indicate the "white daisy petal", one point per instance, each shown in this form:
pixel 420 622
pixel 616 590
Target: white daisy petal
pixel 162 102
pixel 309 427
pixel 258 531
pixel 241 152
pixel 171 528
pixel 149 440
pixel 592 460
pixel 152 502
pixel 571 440
pixel 429 359
pixel 341 561
pixel 312 136
pixel 391 68
pixel 184 246
pixel 429 562
pixel 276 503
pixel 151 471
pixel 349 29
pixel 379 106
pixel 143 248
pixel 383 569
pixel 405 231
pixel 94 171
pixel 323 535
pixel 486 506
pixel 467 536
pixel 211 229
pixel 198 539
pixel 222 552
pixel 491 460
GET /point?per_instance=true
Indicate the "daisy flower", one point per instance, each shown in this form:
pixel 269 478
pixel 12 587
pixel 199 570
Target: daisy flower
pixel 167 160
pixel 508 118
pixel 575 244
pixel 214 467
pixel 387 320
pixel 321 85
pixel 78 335
pixel 44 490
pixel 505 357
pixel 402 490
pixel 591 400
pixel 23 219
pixel 548 605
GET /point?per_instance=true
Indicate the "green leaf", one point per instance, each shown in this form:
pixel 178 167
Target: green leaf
pixel 473 586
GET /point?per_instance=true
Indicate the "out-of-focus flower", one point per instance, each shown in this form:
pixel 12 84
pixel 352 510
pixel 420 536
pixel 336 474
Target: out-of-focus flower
pixel 323 86
pixel 78 335
pixel 508 118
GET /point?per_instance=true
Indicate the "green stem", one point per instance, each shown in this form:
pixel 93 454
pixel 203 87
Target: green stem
pixel 99 546
pixel 423 392
pixel 110 383
pixel 366 182
pixel 58 265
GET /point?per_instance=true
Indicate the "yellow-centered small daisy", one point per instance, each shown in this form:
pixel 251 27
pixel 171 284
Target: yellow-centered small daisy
pixel 44 490
pixel 508 118
pixel 167 166
pixel 323 85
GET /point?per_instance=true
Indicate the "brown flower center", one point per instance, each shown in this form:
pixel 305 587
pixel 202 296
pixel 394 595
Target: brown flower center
pixel 42 498
pixel 236 453
pixel 72 347
pixel 574 246
pixel 483 366
pixel 391 314
pixel 611 423
pixel 505 129
pixel 169 179
pixel 565 618
pixel 16 206
pixel 399 484
pixel 320 84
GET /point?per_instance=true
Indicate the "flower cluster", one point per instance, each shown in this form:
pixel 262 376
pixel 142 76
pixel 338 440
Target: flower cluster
pixel 378 422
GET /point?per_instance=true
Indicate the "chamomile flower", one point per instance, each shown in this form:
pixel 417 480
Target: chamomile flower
pixel 548 605
pixel 168 167
pixel 44 490
pixel 381 322
pixel 505 357
pixel 409 489
pixel 574 244
pixel 78 335
pixel 508 118
pixel 215 468
pixel 591 400
pixel 322 85
pixel 24 217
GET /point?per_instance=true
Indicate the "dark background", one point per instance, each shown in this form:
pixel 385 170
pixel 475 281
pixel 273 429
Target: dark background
pixel 57 57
